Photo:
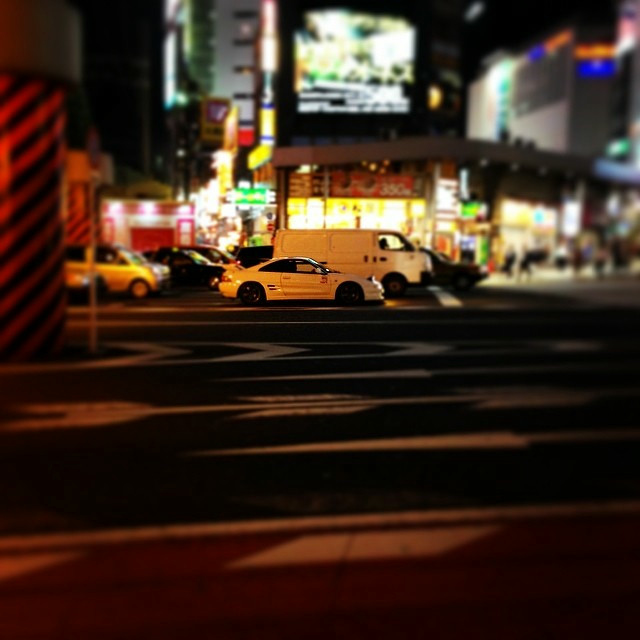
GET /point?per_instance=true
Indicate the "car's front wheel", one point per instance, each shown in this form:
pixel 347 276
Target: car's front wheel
pixel 139 289
pixel 251 293
pixel 349 293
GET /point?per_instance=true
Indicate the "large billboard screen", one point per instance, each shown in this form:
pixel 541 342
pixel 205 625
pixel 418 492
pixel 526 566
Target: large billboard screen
pixel 353 62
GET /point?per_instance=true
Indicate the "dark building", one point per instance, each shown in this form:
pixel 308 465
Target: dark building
pixel 122 79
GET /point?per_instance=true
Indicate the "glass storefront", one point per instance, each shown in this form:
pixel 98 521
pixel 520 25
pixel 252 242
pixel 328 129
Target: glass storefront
pixel 405 215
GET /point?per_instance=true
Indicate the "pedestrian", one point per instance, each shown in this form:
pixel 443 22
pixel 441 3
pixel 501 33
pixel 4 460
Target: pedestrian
pixel 600 261
pixel 525 264
pixel 509 261
pixel 576 259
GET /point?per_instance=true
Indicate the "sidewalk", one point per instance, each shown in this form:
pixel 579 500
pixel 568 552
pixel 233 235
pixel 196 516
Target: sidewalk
pixel 550 274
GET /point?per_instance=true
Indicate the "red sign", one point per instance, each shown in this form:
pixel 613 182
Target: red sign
pixel 346 184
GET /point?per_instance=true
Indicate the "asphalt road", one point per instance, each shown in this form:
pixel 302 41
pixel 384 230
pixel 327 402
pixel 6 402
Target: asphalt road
pixel 441 464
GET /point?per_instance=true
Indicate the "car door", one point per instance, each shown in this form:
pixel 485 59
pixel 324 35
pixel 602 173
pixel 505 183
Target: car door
pixel 442 270
pixel 113 268
pixel 303 280
pixel 183 270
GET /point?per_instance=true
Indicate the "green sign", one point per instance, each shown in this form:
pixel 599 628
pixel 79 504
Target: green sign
pixel 247 195
pixel 473 210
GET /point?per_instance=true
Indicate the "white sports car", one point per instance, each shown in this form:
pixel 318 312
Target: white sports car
pixel 297 279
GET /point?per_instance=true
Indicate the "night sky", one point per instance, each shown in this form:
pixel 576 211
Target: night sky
pixel 513 23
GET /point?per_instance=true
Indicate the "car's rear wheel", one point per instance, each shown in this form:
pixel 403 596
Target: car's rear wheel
pixel 139 289
pixel 394 285
pixel 462 282
pixel 349 293
pixel 251 293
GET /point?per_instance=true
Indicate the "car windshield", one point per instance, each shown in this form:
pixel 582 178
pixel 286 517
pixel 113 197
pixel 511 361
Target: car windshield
pixel 323 267
pixel 196 257
pixel 134 257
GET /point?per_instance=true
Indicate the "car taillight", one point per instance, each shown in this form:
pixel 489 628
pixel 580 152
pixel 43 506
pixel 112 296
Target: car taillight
pixel 226 277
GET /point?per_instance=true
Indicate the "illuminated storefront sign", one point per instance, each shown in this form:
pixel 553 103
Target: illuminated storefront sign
pixel 230 138
pixel 472 210
pixel 351 184
pixel 528 215
pixel 170 70
pixel 267 125
pixel 447 199
pixel 259 156
pixel 405 215
pixel 213 114
pixel 253 196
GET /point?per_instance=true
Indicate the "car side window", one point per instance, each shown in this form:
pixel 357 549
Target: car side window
pixel 280 266
pixel 105 255
pixel 305 267
pixel 180 260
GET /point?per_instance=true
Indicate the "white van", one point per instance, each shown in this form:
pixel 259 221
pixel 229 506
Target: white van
pixel 386 255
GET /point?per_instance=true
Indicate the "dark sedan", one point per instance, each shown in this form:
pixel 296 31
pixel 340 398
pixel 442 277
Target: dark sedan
pixel 188 267
pixel 459 275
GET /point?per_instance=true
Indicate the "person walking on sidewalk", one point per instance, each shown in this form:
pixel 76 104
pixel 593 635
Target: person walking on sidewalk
pixel 600 260
pixel 509 262
pixel 525 264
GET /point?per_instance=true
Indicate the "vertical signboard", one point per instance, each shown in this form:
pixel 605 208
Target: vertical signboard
pixel 213 113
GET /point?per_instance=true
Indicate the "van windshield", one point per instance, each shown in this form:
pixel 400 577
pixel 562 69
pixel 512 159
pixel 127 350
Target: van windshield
pixel 394 242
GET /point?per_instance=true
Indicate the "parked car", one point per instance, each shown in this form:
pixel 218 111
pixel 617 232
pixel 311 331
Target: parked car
pixel 211 253
pixel 298 278
pixel 448 273
pixel 123 271
pixel 249 256
pixel 78 283
pixel 187 267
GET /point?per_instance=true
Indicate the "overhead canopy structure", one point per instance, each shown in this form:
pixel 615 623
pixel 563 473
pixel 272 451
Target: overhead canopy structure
pixel 457 150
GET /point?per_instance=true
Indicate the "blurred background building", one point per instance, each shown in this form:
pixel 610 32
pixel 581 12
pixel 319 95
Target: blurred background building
pixel 470 125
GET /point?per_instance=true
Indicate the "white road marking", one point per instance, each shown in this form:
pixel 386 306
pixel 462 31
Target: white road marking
pixel 400 544
pixel 483 440
pixel 15 566
pixel 259 351
pixel 445 298
pixel 510 513
pixel 80 415
pixel 357 375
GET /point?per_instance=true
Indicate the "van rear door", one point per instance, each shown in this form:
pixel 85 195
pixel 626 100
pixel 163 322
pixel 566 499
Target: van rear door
pixel 311 245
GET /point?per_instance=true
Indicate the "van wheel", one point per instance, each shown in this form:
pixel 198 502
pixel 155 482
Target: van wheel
pixel 139 289
pixel 349 293
pixel 251 293
pixel 394 285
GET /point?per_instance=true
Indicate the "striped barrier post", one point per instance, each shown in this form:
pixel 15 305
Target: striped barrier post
pixel 32 287
pixel 33 82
